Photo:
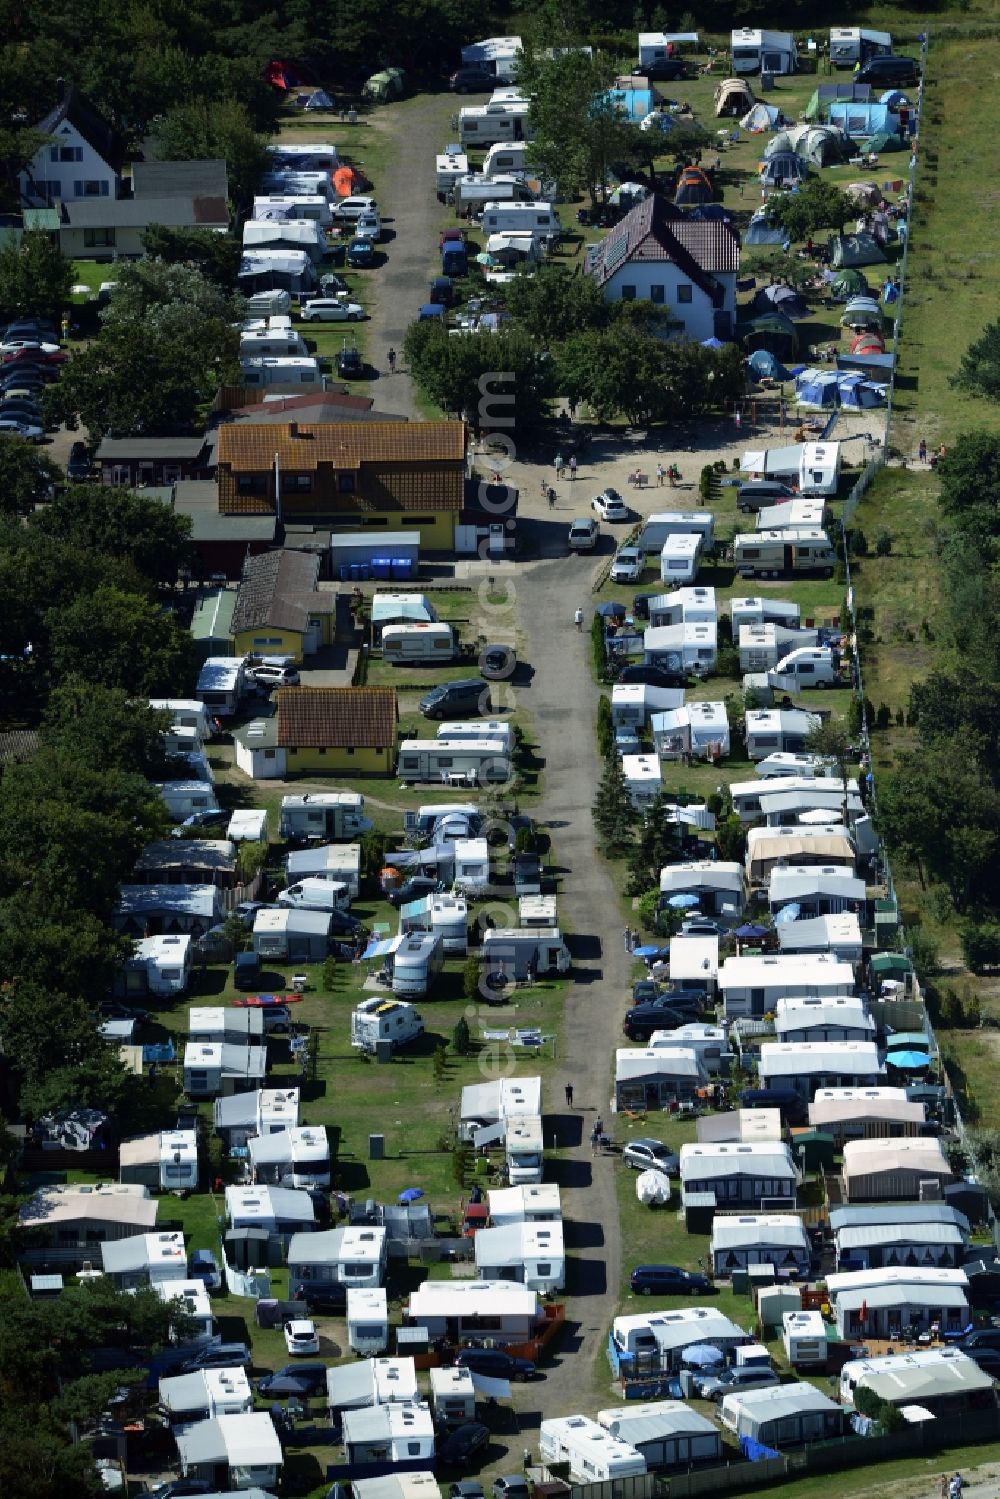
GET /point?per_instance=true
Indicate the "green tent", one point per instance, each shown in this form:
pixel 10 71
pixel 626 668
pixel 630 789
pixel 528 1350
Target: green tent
pixel 854 250
pixel 891 965
pixel 883 143
pixel 772 331
pixel 818 1149
pixel 389 84
pixel 848 283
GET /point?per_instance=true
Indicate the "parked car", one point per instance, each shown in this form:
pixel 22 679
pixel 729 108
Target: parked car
pixel 274 676
pixel 642 1020
pixel 342 923
pixel 652 676
pixel 350 365
pixel 360 254
pixel 247 969
pixel 718 1386
pixel 759 493
pixel 328 1298
pixel 78 464
pixel 204 1266
pixel 247 910
pixel 701 926
pixel 497 1362
pixel 472 80
pixel 332 310
pixel 889 71
pixel 649 993
pixel 462 699
pixel 14 427
pixel 665 69
pixel 113 1009
pixel 646 1154
pixel 583 534
pixel 609 505
pixel 979 1338
pixel 417 887
pixel 180 1488
pixel 294 1379
pixel 212 817
pixel 628 566
pixel 369 226
pixel 29 341
pixel 497 662
pixel 301 1336
pixel 355 206
pixel 219 1356
pixel 511 1486
pixel 987 1357
pixel 460 1447
pixel 667 1280
pixel 466 1488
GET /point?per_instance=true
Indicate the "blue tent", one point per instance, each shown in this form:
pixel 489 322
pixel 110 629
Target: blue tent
pixel 785 298
pixel 761 232
pixel 862 120
pixel 710 211
pixel 766 366
pixel 784 166
pixel 817 389
pixel 788 913
pixel 893 98
pixel 857 393
pixel 636 103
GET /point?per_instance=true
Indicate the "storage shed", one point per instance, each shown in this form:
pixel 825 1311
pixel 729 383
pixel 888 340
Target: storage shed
pixel 668 1433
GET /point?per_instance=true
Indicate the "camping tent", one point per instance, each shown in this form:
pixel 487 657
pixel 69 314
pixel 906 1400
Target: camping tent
pixel 816 390
pixel 868 193
pixel 893 98
pixel 862 120
pixel 771 331
pixel 862 312
pixel 818 107
pixel 857 393
pixel 762 117
pixel 779 144
pixel 318 99
pixel 785 298
pixel 632 103
pixel 693 187
pixel 389 84
pixel 760 231
pixel 628 194
pixel 345 182
pixel 764 365
pixel 823 145
pixel 784 166
pixel 854 249
pixel 885 143
pixel 733 96
pixel 868 342
pixel 711 211
pixel 847 284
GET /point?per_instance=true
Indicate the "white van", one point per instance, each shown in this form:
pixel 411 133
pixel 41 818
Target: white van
pixel 281 342
pixel 406 645
pixel 809 666
pixel 538 219
pixel 317 895
pixel 281 371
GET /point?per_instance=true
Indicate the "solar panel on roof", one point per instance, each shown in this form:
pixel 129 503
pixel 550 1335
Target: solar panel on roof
pixel 615 253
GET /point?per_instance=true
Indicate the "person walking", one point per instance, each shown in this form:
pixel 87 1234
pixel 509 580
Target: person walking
pixel 572 466
pixel 552 499
pixel 922 451
pixel 595 1137
pixel 628 939
pixel 569 1095
pixel 661 474
pixel 578 619
pixel 558 465
pixel 392 361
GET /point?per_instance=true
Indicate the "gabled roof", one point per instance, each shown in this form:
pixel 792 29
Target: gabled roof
pixel 96 131
pixel 337 717
pixel 655 231
pixel 275 591
pixel 303 446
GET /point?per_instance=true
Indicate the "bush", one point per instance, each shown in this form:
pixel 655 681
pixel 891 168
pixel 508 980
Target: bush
pixel 440 1064
pixel 883 544
pixel 924 951
pixel 646 908
pixel 470 977
pixel 857 543
pixel 714 803
pixel 525 841
pixel 329 973
pixel 980 945
pixel 461 1162
pixel 605 726
pixel 598 649
pixel 883 717
pixel 461 1037
pixel 727 662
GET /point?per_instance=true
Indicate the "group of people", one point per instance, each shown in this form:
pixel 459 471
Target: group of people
pixel 561 466
pixel 933 459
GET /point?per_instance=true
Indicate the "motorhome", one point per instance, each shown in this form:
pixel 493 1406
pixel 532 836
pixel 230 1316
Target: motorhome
pixel 304 157
pixel 853 44
pixel 819 468
pixel 277 342
pixel 220 683
pixel 418 643
pixel 490 124
pixel 593 1454
pixel 680 557
pixel 472 866
pixel 767 553
pixel 666 523
pixel 756 51
pixel 449 920
pixel 809 666
pixel 523 1146
pixel 381 1020
pixel 268 371
pixel 416 958
pixel 497 54
pixel 521 952
pixel 314 206
pixel 316 895
pixel 462 762
pixel 178 1160
pixel 538 219
pixel 473 191
pixel 324 814
pixel 367 1320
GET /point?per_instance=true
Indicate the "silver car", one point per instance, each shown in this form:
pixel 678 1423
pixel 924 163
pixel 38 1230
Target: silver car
pixel 651 1155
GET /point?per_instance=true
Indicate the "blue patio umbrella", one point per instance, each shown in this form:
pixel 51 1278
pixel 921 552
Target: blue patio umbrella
pixel 611 611
pixel 702 1356
pixel 411 1194
pixel 751 931
pixel 683 902
pixel 909 1061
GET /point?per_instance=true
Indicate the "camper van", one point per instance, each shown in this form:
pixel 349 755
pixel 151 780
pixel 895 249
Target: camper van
pixel 220 683
pixel 766 553
pixel 316 895
pixel 381 1020
pixel 314 206
pixel 680 557
pixel 446 916
pixel 268 304
pixel 417 643
pixel 851 44
pixel 466 762
pixel 524 952
pixel 539 219
pixel 324 814
pixel 814 666
pixel 658 527
pixel 280 371
pixel 472 192
pixel 523 1145
pixel 279 342
pixel 819 468
pixel 491 124
pixel 304 157
pixel 416 958
pixel 593 1454
pixel 503 158
pixel 763 51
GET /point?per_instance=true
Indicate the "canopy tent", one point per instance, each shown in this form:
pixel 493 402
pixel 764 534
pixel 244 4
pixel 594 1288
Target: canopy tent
pixel 818 107
pixel 862 312
pixel 854 250
pixel 762 117
pixel 785 298
pixel 848 283
pixel 817 390
pixel 771 331
pixel 734 96
pixel 766 366
pixel 760 231
pixel 693 186
pixel 782 167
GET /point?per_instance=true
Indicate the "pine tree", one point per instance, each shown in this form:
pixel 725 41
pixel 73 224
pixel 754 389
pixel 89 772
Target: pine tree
pixel 658 844
pixel 614 814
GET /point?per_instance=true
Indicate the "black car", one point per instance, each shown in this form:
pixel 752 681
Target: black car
pixel 472 80
pixel 652 676
pixel 528 874
pixel 758 494
pixel 460 699
pixel 511 1486
pixel 415 888
pixel 640 604
pixel 350 365
pixel 294 1379
pixel 466 1488
pixel 666 69
pixel 889 72
pixel 642 1020
pixel 496 1362
pixel 648 993
pixel 498 662
pixel 219 1356
pixel 460 1447
pixel 667 1280
pixel 986 1357
pixel 343 924
pixel 180 1488
pixel 247 968
pixel 113 1009
pixel 329 1300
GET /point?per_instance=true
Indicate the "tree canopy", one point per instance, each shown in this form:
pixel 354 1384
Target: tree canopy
pixel 35 278
pixel 817 204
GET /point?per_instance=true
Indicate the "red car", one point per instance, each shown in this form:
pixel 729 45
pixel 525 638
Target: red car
pixel 34 356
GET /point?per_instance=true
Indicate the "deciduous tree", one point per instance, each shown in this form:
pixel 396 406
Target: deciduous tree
pixel 122 640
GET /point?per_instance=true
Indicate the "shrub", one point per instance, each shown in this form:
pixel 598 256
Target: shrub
pixel 461 1161
pixel 470 977
pixel 605 726
pixel 440 1064
pixel 461 1037
pixel 883 717
pixel 883 544
pixel 980 945
pixel 647 910
pixel 714 803
pixel 598 649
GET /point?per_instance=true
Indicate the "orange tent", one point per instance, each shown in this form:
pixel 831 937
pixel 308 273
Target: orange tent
pixel 344 179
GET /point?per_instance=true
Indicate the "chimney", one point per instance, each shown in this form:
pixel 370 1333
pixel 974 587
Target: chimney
pixel 60 90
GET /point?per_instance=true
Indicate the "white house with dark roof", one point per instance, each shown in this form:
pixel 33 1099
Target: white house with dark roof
pixel 689 266
pixel 82 157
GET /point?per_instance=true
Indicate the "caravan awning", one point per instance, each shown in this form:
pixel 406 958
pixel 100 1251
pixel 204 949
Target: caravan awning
pixel 772 462
pixel 415 908
pixel 379 949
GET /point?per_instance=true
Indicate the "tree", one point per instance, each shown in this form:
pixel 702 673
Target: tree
pixel 551 303
pixel 816 205
pixel 120 523
pixel 103 728
pixel 169 298
pixel 497 380
pixel 937 809
pixel 615 376
pixel 579 127
pixel 980 945
pixel 35 278
pixel 201 130
pixel 122 640
pixel 978 373
pixel 461 1037
pixel 27 476
pixel 614 814
pixel 216 256
pixel 73 952
pixel 657 844
pixel 59 1057
pixel 831 739
pixel 730 838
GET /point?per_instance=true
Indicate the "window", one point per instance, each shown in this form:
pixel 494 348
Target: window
pixel 684 292
pixel 270 754
pixel 350 750
pixel 420 520
pixel 322 750
pixel 345 483
pixel 543 1269
pixel 98 239
pixel 656 294
pixel 413 1448
pixel 297 483
pixel 628 293
pixel 250 484
pixel 65 153
pixel 90 188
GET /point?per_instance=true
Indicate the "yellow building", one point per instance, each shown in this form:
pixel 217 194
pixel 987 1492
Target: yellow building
pixel 337 731
pixel 279 610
